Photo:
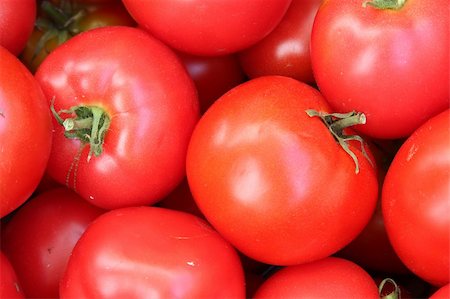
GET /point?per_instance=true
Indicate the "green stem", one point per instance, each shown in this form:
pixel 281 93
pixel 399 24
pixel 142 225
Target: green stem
pixel 336 123
pixel 88 124
pixel 385 4
pixel 395 294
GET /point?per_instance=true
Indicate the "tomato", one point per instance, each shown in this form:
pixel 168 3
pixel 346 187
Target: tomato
pixel 9 285
pixel 16 23
pixel 208 28
pixel 39 238
pixel 181 199
pixel 25 133
pixel 392 64
pixel 58 22
pixel 442 293
pixel 141 252
pixel 273 180
pixel 133 150
pixel 327 278
pixel 372 249
pixel 213 76
pixel 285 51
pixel 415 201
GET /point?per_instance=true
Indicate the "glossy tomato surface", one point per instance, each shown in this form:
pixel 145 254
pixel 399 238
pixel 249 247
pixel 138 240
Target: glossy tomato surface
pixel 150 100
pixel 9 284
pixel 272 180
pixel 416 201
pixel 285 51
pixel 209 28
pixel 327 278
pixel 25 133
pixel 391 64
pixel 143 252
pixel 16 23
pixel 213 75
pixel 40 237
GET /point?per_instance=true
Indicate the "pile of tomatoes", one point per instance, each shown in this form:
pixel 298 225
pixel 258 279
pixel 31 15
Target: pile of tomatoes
pixel 224 149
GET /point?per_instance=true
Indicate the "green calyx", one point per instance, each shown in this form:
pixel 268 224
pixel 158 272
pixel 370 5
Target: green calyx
pixel 385 4
pixel 87 124
pixel 57 22
pixel 336 123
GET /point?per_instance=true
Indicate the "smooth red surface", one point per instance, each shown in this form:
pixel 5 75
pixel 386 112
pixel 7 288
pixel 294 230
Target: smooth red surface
pixel 25 133
pixel 210 28
pixel 40 237
pixel 272 180
pixel 152 252
pixel 153 106
pixel 416 201
pixel 393 65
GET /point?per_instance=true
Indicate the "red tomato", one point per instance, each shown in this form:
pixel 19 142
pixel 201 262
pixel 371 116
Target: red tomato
pixel 285 51
pixel 181 199
pixel 327 278
pixel 25 133
pixel 39 238
pixel 152 252
pixel 415 201
pixel 9 285
pixel 272 180
pixel 213 76
pixel 391 64
pixel 16 23
pixel 146 107
pixel 442 293
pixel 372 249
pixel 208 28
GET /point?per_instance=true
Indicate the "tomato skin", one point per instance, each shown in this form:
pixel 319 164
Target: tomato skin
pixel 415 201
pixel 40 237
pixel 16 23
pixel 268 177
pixel 9 285
pixel 213 76
pixel 145 146
pixel 285 51
pixel 153 252
pixel 368 59
pixel 442 293
pixel 327 278
pixel 25 133
pixel 208 28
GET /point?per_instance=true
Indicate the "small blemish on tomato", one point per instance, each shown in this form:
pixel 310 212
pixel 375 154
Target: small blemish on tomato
pixel 411 152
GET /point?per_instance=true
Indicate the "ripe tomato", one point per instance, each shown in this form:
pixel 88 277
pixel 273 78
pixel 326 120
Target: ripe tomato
pixel 415 201
pixel 146 106
pixel 143 252
pixel 442 293
pixel 57 22
pixel 273 180
pixel 16 23
pixel 25 133
pixel 392 64
pixel 285 51
pixel 327 278
pixel 39 238
pixel 372 249
pixel 9 285
pixel 208 28
pixel 213 76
